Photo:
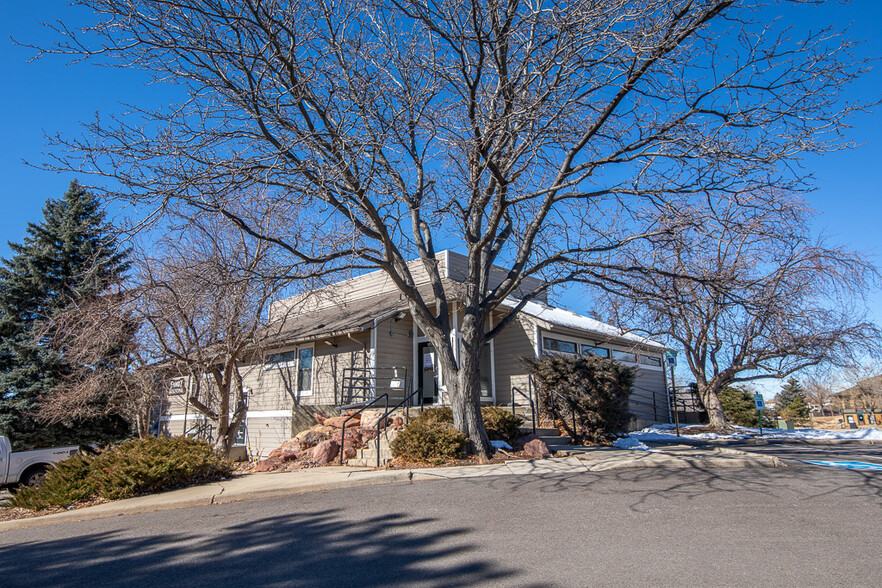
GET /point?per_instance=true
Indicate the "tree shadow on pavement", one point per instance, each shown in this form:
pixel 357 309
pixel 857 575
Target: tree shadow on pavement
pixel 316 549
pixel 678 485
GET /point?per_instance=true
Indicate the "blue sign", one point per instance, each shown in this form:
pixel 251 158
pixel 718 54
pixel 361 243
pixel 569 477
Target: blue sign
pixel 846 465
pixel 760 403
pixel 671 357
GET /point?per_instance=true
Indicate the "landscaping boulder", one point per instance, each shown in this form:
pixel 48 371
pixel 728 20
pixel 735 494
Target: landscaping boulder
pixel 521 441
pixel 337 422
pixel 267 465
pixel 536 449
pixel 398 422
pixel 313 438
pixel 370 418
pixel 319 417
pixel 325 452
pixel 366 434
pixel 349 453
pixel 353 438
pixel 287 451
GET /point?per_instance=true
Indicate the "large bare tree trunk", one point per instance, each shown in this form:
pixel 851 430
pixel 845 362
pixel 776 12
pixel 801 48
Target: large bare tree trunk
pixel 710 398
pixel 465 400
pixel 463 384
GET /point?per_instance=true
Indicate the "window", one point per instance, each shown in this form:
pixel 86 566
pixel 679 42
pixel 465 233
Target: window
pixel 486 372
pixel 624 356
pixel 281 360
pixel 558 345
pixel 598 351
pixel 650 360
pixel 240 435
pixel 304 371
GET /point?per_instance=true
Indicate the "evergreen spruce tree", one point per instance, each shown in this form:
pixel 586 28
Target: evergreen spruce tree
pixel 71 255
pixel 790 401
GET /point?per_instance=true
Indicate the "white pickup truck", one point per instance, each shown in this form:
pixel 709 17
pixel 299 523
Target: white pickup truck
pixel 27 468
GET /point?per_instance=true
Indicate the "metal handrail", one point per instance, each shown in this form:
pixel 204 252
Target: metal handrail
pixel 382 419
pixel 530 400
pixel 352 416
pixel 572 409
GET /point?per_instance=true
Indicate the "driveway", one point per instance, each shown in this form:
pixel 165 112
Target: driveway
pixel 797 526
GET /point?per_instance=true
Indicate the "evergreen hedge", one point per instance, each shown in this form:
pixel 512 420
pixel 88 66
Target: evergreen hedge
pixel 598 387
pixel 140 466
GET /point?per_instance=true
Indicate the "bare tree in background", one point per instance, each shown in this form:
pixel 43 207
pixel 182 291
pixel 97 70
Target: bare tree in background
pixel 111 372
pixel 539 136
pixel 748 295
pixel 203 299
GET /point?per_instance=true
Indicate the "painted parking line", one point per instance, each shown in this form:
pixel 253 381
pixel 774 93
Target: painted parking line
pixel 846 465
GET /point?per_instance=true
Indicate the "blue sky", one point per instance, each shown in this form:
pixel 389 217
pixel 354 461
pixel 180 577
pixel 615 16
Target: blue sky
pixel 52 96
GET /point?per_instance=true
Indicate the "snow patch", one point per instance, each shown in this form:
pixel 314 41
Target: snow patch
pixel 667 433
pixel 500 445
pixel 631 443
pixel 567 318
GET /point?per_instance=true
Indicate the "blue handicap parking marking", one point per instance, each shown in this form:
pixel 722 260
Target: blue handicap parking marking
pixel 847 465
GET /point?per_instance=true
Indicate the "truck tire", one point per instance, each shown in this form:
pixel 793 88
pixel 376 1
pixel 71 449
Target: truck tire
pixel 33 476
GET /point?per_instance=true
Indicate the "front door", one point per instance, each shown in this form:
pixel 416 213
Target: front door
pixel 427 370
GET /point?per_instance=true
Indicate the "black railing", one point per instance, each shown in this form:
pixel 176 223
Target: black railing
pixel 361 384
pixel 356 413
pixel 530 400
pixel 382 419
pixel 572 410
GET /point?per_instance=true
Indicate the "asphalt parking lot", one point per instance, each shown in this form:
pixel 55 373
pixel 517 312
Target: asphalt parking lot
pixel 796 526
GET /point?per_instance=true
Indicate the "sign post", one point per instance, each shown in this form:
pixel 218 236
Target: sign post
pixel 760 407
pixel 671 359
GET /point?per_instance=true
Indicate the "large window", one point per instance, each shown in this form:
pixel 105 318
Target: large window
pixel 281 360
pixel 599 351
pixel 558 345
pixel 304 371
pixel 296 366
pixel 486 372
pixel 650 360
pixel 624 356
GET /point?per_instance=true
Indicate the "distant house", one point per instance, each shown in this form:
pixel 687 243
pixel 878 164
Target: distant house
pixel 861 405
pixel 340 343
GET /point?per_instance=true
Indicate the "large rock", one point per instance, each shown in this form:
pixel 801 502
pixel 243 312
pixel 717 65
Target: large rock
pixel 370 418
pixel 287 451
pixel 536 449
pixel 398 422
pixel 337 422
pixel 319 417
pixel 353 438
pixel 325 452
pixel 521 441
pixel 349 453
pixel 267 465
pixel 312 437
pixel 366 434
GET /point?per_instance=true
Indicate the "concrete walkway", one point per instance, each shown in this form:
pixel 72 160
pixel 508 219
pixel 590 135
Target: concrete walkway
pixel 266 485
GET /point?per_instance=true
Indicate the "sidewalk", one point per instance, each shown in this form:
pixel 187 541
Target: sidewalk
pixel 267 485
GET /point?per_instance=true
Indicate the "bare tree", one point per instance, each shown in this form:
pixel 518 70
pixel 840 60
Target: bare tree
pixel 539 136
pixel 203 298
pixel 747 295
pixel 110 371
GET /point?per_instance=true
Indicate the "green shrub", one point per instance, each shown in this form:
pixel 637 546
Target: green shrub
pixel 598 387
pixel 425 440
pixel 442 415
pixel 501 425
pixel 141 466
pixel 740 408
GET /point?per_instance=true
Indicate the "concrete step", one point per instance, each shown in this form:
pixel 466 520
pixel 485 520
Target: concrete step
pixel 549 440
pixel 543 431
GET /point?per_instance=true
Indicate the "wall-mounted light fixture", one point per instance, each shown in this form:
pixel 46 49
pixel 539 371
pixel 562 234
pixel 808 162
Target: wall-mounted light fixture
pixel 329 343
